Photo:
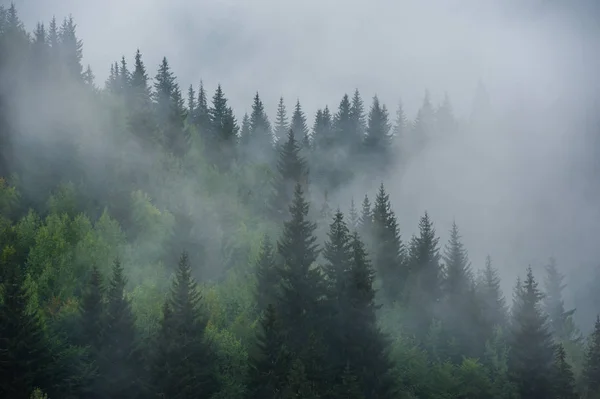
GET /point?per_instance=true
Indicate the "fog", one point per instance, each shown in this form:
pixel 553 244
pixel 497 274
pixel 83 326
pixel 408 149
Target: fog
pixel 518 189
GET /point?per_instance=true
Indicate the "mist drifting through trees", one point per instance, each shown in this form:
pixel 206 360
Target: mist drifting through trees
pixel 159 240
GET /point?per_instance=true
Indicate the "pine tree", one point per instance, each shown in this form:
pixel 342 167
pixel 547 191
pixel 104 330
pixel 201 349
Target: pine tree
pixel 141 118
pixel 302 284
pixel 267 275
pixel 423 126
pixel 337 257
pixel 491 299
pixel 183 365
pixel 425 281
pixel 378 139
pixel 353 216
pixel 170 109
pixel 366 346
pixel 202 116
pixel 591 371
pixel 401 123
pixel 365 223
pixel 532 350
pixel 224 129
pixel 124 78
pixel 291 170
pixel 259 143
pixel 25 359
pixel 92 313
pixel 71 49
pixel 191 105
pixel 563 379
pixel 282 126
pixel 560 320
pixel 245 129
pixel 359 124
pixel 120 363
pixel 269 370
pixel 342 123
pixel 387 248
pixel 298 125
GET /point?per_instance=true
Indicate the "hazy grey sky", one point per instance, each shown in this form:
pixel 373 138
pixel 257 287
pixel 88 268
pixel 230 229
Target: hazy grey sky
pixel 512 192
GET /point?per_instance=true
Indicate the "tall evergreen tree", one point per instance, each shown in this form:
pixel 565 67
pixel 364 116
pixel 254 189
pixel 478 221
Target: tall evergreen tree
pixel 493 304
pixel 353 216
pixel 300 305
pixel 425 282
pixel 378 138
pixel 71 49
pixel 282 125
pixel 532 349
pixel 202 116
pixel 560 320
pixel 224 129
pixel 25 359
pixel 141 118
pixel 260 142
pixel 120 362
pixel 170 109
pixel 291 170
pixel 184 362
pixel 342 122
pixel 562 376
pixel 267 275
pixel 298 125
pixel 387 248
pixel 92 313
pixel 591 370
pixel 423 126
pixel 445 123
pixel 365 222
pixel 359 123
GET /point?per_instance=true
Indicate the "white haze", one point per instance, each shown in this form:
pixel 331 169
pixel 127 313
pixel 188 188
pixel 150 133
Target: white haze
pixel 514 192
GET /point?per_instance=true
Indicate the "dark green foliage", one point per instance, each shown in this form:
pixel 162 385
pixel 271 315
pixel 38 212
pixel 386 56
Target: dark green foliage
pixel 532 350
pixel 120 361
pixel 267 276
pixel 25 358
pixel 359 124
pixel 258 145
pixel 562 377
pixel 291 170
pixel 298 125
pixel 591 371
pixel 223 129
pixel 388 251
pixel 92 313
pixel 183 363
pixel 269 371
pixel 378 139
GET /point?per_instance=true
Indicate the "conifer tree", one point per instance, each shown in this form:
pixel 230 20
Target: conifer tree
pixel 120 364
pixel 260 142
pixel 124 78
pixel 425 282
pixel 401 123
pixel 183 365
pixel 191 105
pixel 423 126
pixel 560 320
pixel 141 117
pixel 267 275
pixel 532 350
pixel 92 313
pixel 282 126
pixel 25 358
pixel 337 255
pixel 71 49
pixel 269 369
pixel 591 370
pixel 302 284
pixel 298 125
pixel 342 122
pixel 353 216
pixel 562 376
pixel 291 170
pixel 224 129
pixel 202 116
pixel 359 124
pixel 444 118
pixel 170 109
pixel 387 248
pixel 365 222
pixel 378 138
pixel 245 128
pixel 491 299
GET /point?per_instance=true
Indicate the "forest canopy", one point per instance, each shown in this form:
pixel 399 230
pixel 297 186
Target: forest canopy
pixel 155 245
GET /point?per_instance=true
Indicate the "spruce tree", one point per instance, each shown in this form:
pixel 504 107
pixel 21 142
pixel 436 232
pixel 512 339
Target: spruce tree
pixel 92 313
pixel 532 349
pixel 563 386
pixel 425 282
pixel 591 370
pixel 71 49
pixel 25 358
pixel 353 216
pixel 120 362
pixel 298 125
pixel 366 345
pixel 202 117
pixel 359 124
pixel 224 130
pixel 300 305
pixel 401 123
pixel 560 320
pixel 184 362
pixel 342 123
pixel 282 126
pixel 267 276
pixel 378 139
pixel 170 110
pixel 423 126
pixel 492 302
pixel 387 248
pixel 191 105
pixel 365 222
pixel 245 128
pixel 269 369
pixel 291 170
pixel 260 142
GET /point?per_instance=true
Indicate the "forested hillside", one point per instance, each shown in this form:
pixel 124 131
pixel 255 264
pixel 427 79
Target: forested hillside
pixel 154 244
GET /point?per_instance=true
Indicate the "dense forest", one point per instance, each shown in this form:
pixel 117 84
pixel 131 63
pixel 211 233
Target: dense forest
pixel 152 245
